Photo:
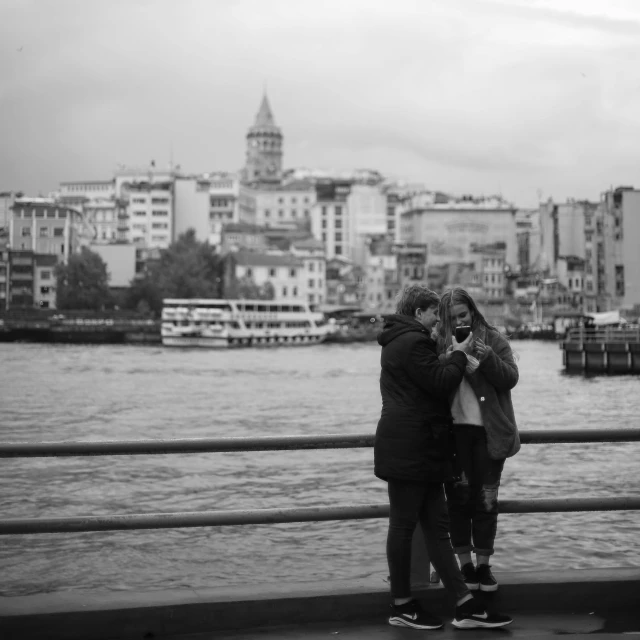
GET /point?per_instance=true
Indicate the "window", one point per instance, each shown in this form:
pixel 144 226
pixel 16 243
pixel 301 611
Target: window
pixel 312 266
pixel 249 272
pixel 294 291
pixel 323 211
pixel 293 200
pixel 339 223
pixel 324 223
pixel 294 213
pixel 44 232
pixel 44 289
pixel 312 283
pixel 338 236
pixel 320 283
pixel 26 232
pixel 272 273
pixel 45 275
pixel 306 213
pixel 338 250
pixel 280 213
pixel 324 237
pixel 292 273
pixel 284 292
pixel 338 210
pixel 44 304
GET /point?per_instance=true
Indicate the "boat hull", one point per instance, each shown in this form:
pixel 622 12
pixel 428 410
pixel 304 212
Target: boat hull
pixel 224 342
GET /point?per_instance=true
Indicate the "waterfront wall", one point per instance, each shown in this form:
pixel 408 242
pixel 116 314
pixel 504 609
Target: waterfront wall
pixel 158 614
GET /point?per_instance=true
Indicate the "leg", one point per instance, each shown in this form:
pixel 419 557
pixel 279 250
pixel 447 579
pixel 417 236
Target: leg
pixel 458 496
pixel 405 501
pixel 434 519
pixel 485 482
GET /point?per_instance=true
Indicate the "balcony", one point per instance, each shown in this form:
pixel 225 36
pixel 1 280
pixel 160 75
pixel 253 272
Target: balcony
pixel 22 277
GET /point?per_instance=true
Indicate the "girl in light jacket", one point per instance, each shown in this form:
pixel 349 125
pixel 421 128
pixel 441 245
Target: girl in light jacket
pixel 486 433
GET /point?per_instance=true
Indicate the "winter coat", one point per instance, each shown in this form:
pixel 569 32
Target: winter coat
pixel 492 382
pixel 414 436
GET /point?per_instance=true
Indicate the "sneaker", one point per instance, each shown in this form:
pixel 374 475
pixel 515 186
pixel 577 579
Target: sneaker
pixel 472 615
pixel 470 577
pixel 412 615
pixel 485 578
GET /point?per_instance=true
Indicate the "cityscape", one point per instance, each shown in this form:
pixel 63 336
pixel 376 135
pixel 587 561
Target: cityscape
pixel 335 240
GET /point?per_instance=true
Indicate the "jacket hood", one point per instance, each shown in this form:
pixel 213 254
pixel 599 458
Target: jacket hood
pixel 395 325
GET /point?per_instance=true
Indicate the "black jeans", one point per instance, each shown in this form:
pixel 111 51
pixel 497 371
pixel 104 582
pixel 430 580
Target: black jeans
pixel 411 503
pixel 473 500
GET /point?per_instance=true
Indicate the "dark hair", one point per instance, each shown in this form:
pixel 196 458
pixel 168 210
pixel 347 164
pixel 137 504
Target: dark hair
pixel 415 296
pixel 450 299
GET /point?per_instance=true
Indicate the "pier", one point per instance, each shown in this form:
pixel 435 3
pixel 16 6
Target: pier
pixel 543 603
pixel 607 350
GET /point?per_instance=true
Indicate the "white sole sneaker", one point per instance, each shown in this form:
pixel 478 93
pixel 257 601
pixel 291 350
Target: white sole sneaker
pixel 478 623
pixel 396 621
pixel 487 587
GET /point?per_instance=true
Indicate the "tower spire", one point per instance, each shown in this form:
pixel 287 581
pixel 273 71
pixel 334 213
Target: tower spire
pixel 265 116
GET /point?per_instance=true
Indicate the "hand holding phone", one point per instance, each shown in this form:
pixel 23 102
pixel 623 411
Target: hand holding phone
pixel 466 345
pixel 462 333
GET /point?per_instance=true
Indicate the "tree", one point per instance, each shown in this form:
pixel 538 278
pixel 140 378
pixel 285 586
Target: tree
pixel 187 269
pixel 83 283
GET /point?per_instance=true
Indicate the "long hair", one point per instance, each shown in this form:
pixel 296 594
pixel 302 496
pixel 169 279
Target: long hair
pixel 450 299
pixel 415 296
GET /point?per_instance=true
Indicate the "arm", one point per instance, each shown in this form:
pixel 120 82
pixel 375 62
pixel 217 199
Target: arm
pixel 498 365
pixel 429 374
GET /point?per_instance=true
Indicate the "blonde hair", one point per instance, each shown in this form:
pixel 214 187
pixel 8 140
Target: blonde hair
pixel 450 299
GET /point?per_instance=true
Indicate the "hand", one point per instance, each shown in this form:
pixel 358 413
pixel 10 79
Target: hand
pixel 481 348
pixel 466 345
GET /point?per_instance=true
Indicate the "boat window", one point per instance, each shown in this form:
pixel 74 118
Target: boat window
pixel 286 307
pixel 249 307
pixel 262 307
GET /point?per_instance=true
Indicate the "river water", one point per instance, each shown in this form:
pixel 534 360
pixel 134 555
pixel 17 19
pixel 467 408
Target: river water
pixel 70 392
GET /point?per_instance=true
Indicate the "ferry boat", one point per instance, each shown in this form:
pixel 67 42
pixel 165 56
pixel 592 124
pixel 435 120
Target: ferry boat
pixel 236 323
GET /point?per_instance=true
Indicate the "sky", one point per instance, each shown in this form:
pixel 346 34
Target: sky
pixel 529 99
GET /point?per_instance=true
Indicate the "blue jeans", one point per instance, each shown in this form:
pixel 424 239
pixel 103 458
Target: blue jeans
pixel 473 500
pixel 411 503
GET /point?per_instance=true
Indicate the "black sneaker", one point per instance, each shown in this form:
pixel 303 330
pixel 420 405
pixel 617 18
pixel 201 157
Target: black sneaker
pixel 470 577
pixel 412 615
pixel 485 578
pixel 472 615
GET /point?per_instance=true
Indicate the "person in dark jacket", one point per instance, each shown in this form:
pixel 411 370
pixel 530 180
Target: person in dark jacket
pixel 413 451
pixel 485 433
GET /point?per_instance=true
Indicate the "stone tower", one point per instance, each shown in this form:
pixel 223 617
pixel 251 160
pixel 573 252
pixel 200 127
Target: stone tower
pixel 264 149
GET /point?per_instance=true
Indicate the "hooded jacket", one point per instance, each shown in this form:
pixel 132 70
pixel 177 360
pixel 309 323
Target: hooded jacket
pixel 412 440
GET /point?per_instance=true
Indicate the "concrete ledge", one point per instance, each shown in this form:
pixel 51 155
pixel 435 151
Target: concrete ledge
pixel 110 615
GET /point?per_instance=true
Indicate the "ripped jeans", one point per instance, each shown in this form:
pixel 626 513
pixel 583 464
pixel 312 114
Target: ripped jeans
pixel 473 500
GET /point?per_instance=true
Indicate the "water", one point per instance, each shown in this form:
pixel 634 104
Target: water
pixel 68 392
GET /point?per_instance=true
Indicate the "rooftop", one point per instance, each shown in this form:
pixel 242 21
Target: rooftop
pixel 259 259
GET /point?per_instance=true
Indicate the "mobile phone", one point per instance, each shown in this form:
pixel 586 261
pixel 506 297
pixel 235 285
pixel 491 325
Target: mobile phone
pixel 462 333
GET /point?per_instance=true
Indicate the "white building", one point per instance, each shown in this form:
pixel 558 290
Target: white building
pixel 451 228
pixel 285 272
pixel 314 264
pixel 191 206
pixel 224 191
pixel 120 260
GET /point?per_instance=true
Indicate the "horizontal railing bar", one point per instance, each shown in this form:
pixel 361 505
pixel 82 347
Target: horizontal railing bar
pixel 273 443
pixel 277 516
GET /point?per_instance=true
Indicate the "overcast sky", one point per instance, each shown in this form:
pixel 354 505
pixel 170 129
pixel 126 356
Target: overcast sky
pixel 519 97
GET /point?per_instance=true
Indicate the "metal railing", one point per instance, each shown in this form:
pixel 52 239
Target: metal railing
pixel 604 334
pixel 272 516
